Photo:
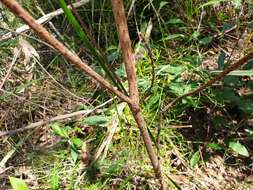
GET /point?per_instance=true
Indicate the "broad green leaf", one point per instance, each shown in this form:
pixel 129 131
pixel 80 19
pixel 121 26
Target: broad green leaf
pixel 95 120
pixel 215 146
pixel 181 88
pixel 77 142
pixel 221 60
pixel 231 80
pixel 18 184
pixel 227 95
pixel 195 159
pixel 54 182
pixel 60 130
pixel 236 72
pixel 239 148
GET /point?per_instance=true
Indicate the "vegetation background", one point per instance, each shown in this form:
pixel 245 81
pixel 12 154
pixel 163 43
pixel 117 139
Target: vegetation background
pixel 204 141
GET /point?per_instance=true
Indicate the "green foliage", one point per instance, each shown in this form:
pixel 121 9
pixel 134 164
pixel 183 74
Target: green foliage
pixel 95 120
pixel 181 43
pixel 195 159
pixel 215 146
pixel 18 184
pixel 54 182
pixel 93 50
pixel 238 148
pixel 60 130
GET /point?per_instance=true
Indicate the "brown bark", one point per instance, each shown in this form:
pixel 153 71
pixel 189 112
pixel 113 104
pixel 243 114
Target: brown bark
pixel 67 54
pixel 128 55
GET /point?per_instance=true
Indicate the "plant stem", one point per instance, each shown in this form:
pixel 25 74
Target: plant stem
pixel 128 55
pixel 67 54
pixel 218 77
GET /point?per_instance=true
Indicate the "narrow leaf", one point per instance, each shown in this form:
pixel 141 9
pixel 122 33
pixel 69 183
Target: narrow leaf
pixel 236 72
pixel 172 37
pixel 54 180
pixel 221 60
pixel 194 159
pixel 95 52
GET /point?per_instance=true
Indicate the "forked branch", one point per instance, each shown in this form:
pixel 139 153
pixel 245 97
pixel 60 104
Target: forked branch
pixel 67 54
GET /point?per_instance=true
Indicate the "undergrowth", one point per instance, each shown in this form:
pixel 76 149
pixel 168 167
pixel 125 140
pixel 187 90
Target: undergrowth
pixel 204 142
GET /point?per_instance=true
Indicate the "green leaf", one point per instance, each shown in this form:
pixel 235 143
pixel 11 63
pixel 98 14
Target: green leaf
pixel 239 148
pixel 236 72
pixel 95 120
pixel 60 130
pixel 74 154
pixel 195 35
pixel 195 159
pixel 206 40
pixel 248 66
pixel 162 4
pixel 181 88
pixel 172 37
pixel 245 105
pixel 169 69
pixel 54 182
pixel 93 50
pixel 175 21
pixel 226 26
pixel 77 142
pixel 18 184
pixel 215 146
pixel 221 60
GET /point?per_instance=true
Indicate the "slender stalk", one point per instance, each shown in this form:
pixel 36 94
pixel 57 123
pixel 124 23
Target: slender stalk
pixel 67 54
pixel 128 55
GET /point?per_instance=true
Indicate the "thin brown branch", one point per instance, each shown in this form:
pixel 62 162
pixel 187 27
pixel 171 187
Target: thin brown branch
pixel 93 41
pixel 125 44
pixel 16 55
pixel 41 20
pixel 67 54
pixel 219 77
pixel 128 56
pixel 82 113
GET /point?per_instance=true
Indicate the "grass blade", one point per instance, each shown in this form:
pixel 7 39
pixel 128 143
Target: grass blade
pixel 95 52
